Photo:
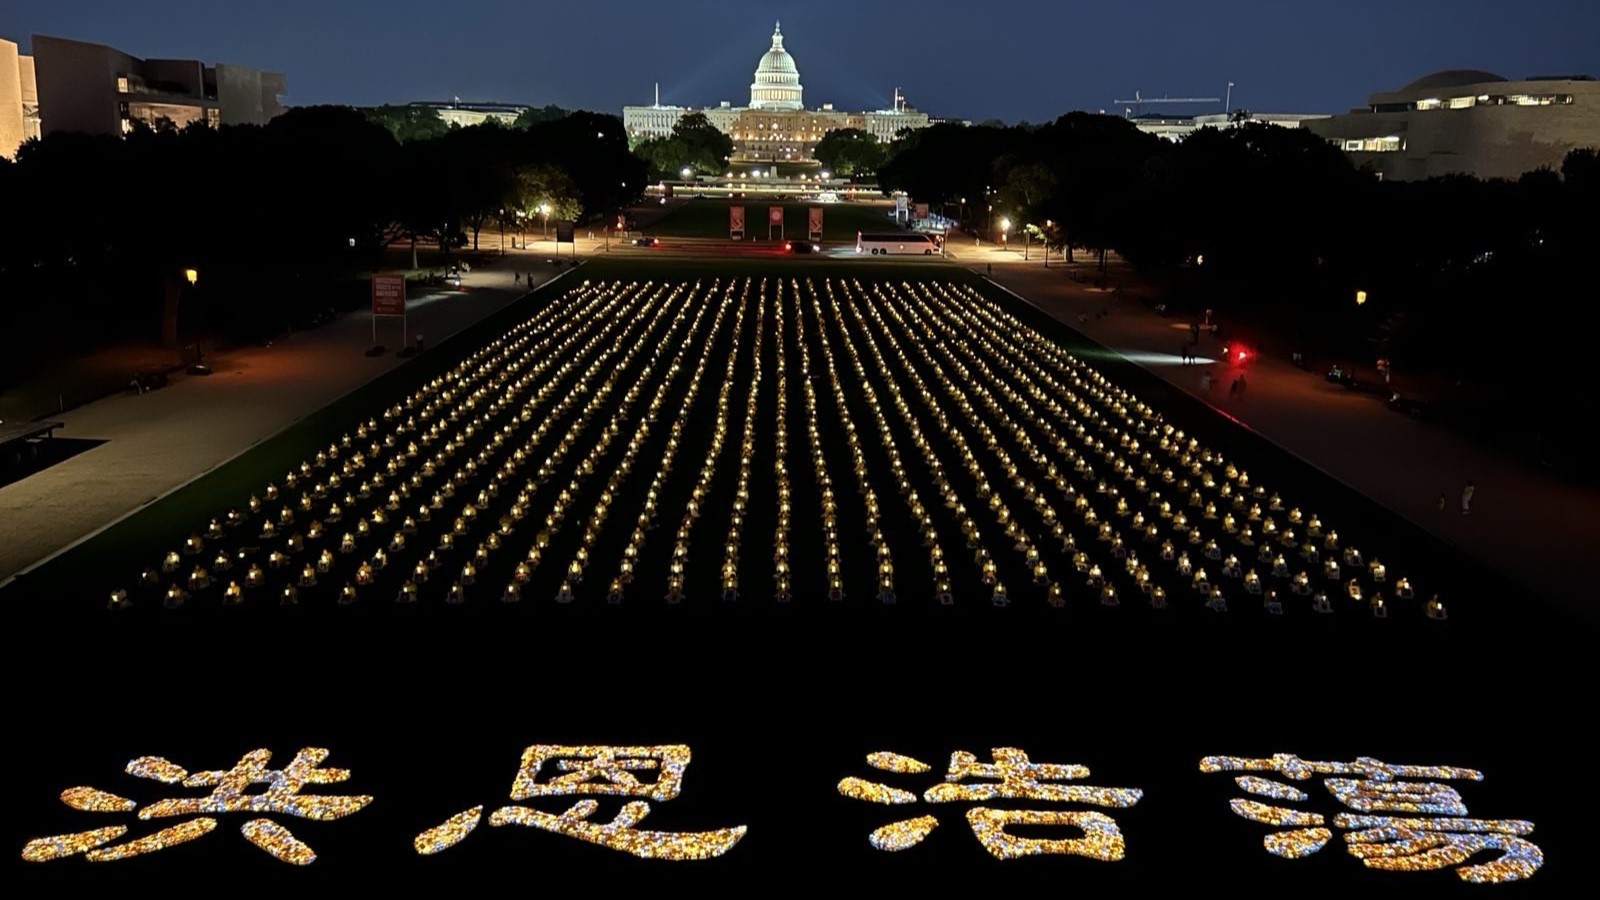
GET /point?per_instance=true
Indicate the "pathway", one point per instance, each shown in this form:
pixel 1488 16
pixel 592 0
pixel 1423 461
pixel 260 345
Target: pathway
pixel 1539 530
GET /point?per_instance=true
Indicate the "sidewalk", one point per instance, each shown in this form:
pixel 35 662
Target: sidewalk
pixel 1538 530
pixel 157 442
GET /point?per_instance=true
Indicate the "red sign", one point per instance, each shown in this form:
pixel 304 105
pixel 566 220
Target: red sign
pixel 816 220
pixel 920 211
pixel 388 295
pixel 774 215
pixel 736 221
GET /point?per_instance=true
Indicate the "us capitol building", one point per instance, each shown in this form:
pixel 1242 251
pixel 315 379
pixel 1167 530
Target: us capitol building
pixel 776 127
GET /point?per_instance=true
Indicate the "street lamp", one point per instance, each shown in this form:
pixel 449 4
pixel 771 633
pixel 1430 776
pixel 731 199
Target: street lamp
pixel 685 172
pixel 1361 297
pixel 544 210
pixel 1005 230
pixel 199 368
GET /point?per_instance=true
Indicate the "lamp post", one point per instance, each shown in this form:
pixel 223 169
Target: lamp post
pixel 1005 231
pixel 544 210
pixel 199 367
pixel 1361 298
pixel 502 231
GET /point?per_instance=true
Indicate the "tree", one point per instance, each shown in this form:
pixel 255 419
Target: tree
pixel 409 123
pixel 705 149
pixel 667 157
pixel 535 115
pixel 851 151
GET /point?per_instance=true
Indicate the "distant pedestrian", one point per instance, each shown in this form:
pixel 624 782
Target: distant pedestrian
pixel 1233 390
pixel 1183 354
pixel 1242 386
pixel 1466 498
pixel 1441 501
pixel 516 278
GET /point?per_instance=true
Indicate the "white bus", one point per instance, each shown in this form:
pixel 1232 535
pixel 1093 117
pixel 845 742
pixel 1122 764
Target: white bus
pixel 896 242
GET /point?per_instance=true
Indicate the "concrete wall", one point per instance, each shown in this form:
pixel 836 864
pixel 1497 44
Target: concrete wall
pixel 78 85
pixel 12 133
pixel 1491 141
pixel 248 96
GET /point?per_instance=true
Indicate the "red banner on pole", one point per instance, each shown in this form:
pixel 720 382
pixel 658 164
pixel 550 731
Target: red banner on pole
pixel 774 215
pixel 816 223
pixel 736 222
pixel 388 295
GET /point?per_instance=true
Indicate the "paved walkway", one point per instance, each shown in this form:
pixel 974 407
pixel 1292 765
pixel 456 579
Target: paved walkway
pixel 159 441
pixel 1538 530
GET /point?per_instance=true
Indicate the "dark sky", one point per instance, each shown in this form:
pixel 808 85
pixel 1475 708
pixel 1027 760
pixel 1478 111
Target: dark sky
pixel 967 59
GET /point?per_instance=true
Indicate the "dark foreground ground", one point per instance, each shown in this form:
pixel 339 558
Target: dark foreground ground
pixel 431 706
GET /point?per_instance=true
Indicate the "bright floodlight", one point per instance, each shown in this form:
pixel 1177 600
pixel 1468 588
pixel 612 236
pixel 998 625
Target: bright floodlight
pixel 1005 223
pixel 1361 297
pixel 192 274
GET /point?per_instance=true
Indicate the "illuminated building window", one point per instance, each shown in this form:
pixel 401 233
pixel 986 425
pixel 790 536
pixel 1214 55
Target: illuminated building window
pixel 1462 102
pixel 1538 99
pixel 1388 144
pixel 122 84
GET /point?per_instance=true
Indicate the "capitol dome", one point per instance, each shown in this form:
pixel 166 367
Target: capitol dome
pixel 777 84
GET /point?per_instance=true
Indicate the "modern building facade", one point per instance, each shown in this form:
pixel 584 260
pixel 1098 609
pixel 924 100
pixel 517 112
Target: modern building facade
pixel 19 99
pixel 775 127
pixel 96 89
pixel 1470 122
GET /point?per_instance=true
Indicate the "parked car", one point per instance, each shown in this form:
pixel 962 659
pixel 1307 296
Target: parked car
pixel 646 242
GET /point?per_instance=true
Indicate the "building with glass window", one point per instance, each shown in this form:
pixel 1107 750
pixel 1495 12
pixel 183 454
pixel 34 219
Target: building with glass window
pixel 1465 121
pixel 775 127
pixel 96 89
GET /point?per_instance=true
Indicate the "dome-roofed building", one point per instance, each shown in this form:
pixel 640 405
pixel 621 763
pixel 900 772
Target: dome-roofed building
pixel 777 83
pixel 776 127
pixel 1449 78
pixel 1471 122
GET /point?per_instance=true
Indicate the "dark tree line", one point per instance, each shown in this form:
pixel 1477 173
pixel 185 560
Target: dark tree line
pixel 278 220
pixel 1482 286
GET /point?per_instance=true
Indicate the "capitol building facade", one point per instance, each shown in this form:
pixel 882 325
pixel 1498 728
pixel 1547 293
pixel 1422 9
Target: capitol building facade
pixel 775 127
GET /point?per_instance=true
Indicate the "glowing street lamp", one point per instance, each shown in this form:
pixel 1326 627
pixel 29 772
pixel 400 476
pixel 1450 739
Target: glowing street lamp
pixel 1005 230
pixel 199 368
pixel 544 210
pixel 1361 297
pixel 685 172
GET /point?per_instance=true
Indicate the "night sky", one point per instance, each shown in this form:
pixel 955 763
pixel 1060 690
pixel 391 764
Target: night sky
pixel 954 59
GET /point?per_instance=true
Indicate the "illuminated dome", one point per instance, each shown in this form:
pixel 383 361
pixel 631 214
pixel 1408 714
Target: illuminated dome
pixel 777 84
